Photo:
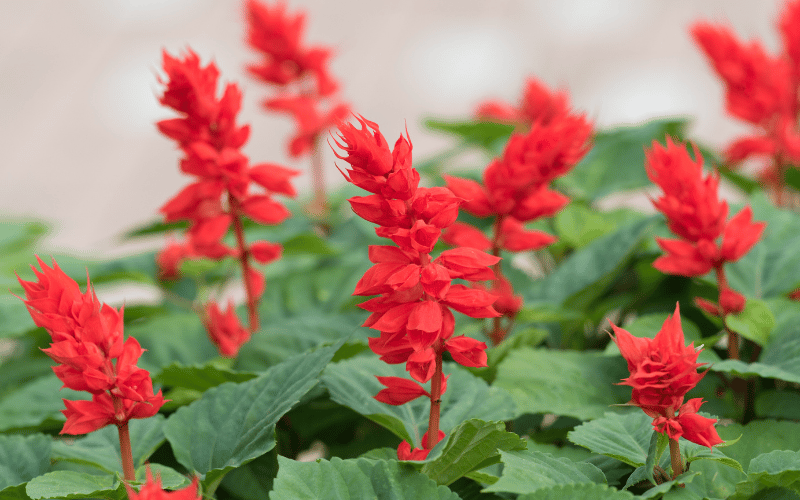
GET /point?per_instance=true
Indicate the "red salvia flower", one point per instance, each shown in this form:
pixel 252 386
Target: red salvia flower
pixel 220 196
pixel 762 90
pixel 413 311
pixel 515 187
pixel 695 213
pixel 662 371
pixel 225 329
pixel 91 354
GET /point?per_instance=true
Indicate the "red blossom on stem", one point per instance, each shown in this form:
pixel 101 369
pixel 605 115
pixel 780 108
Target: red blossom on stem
pixel 151 490
pixel 699 218
pixel 306 90
pixel 221 196
pixel 92 356
pixel 762 90
pixel 416 296
pixel 662 370
pixel 515 187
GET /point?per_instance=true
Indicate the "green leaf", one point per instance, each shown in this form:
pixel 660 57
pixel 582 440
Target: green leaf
pixel 591 268
pixel 577 224
pixel 758 437
pixel 471 446
pixel 199 377
pixel 174 338
pixel 778 468
pixel 353 383
pixel 253 480
pixel 530 471
pixel 780 360
pixel 778 404
pixel 308 243
pixel 235 423
pixel 616 161
pixel 483 134
pixel 625 437
pixel 22 458
pixel 579 491
pixel 37 405
pixel 769 269
pixel 101 447
pixel 354 479
pixel 755 322
pixel 15 319
pixel 71 484
pixel 571 383
pixel 714 480
pixel 693 452
pixel 671 490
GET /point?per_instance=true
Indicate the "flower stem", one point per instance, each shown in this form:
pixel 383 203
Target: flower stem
pixel 244 259
pixel 436 402
pixel 675 458
pixel 125 451
pixel 498 333
pixel 319 204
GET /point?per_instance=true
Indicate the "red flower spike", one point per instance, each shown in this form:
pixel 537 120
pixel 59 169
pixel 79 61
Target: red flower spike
pixel 399 391
pixel 365 151
pixel 731 301
pixel 740 235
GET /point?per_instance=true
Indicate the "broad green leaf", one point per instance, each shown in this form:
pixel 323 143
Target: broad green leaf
pixel 625 437
pixel 755 322
pixel 354 479
pixel 22 458
pixel 594 265
pixel 353 383
pixel 616 161
pixel 759 437
pixel 578 491
pixel 672 490
pixel 574 453
pixel 769 269
pixel 253 480
pixel 778 468
pixel 530 471
pixel 471 446
pixel 693 452
pixel 715 480
pixel 71 484
pixel 199 377
pixel 484 134
pixel 577 224
pixel 235 423
pixel 101 448
pixel 37 404
pixel 307 243
pixel 571 383
pixel 14 317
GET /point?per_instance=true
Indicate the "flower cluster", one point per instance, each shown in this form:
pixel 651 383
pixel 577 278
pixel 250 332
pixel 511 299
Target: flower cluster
pixel 760 89
pixel 413 311
pixel 91 354
pixel 151 490
pixel 307 91
pixel 663 370
pixel 538 104
pixel 220 196
pixel 698 217
pixel 515 187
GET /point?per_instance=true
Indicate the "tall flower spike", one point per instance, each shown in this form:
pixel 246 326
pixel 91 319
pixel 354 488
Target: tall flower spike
pixel 92 356
pixel 221 195
pixel 413 311
pixel 515 187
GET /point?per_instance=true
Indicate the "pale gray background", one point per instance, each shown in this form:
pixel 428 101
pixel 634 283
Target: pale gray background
pixel 77 83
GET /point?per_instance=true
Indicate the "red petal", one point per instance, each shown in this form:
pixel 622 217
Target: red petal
pixel 399 391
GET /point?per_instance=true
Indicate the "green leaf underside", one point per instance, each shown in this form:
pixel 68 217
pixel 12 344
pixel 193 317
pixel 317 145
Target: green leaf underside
pixel 471 446
pixel 354 479
pixel 625 437
pixel 778 468
pixel 530 471
pixel 199 377
pixel 235 423
pixel 37 402
pixel 570 383
pixel 353 383
pixel 23 458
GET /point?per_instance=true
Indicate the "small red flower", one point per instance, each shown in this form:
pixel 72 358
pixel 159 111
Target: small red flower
pixel 151 490
pixel 225 329
pixel 404 451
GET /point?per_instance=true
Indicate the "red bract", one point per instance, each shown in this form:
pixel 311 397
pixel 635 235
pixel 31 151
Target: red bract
pixel 515 187
pixel 151 490
pixel 221 194
pixel 414 310
pixel 662 371
pixel 88 345
pixel 762 90
pixel 225 330
pixel 695 213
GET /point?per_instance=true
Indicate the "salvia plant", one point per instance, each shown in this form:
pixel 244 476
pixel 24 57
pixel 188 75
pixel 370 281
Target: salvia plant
pixel 430 330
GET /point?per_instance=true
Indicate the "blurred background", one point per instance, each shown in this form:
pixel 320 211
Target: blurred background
pixel 78 84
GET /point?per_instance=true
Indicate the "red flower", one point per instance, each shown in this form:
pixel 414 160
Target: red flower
pixel 151 490
pixel 404 451
pixel 538 104
pixel 91 355
pixel 225 330
pixel 662 371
